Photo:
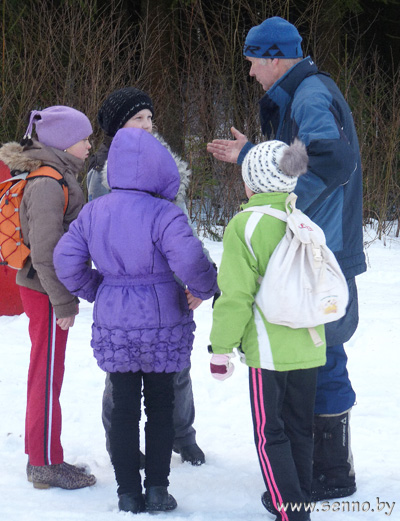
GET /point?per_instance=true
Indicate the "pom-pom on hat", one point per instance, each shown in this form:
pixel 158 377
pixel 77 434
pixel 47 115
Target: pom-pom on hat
pixel 59 126
pixel 120 106
pixel 274 38
pixel 274 166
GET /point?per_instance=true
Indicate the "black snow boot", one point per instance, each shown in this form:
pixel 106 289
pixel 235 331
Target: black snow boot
pixel 131 503
pixel 333 469
pixel 158 500
pixel 266 500
pixel 191 453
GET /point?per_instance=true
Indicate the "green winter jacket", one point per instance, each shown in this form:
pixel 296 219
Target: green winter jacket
pixel 237 321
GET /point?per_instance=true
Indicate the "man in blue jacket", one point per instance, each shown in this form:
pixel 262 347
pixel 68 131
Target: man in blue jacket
pixel 300 101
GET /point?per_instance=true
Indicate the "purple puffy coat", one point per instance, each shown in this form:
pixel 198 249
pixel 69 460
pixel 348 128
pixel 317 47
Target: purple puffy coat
pixel 137 241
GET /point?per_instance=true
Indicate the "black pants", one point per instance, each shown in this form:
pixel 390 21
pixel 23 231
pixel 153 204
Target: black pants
pixel 158 394
pixel 184 412
pixel 282 405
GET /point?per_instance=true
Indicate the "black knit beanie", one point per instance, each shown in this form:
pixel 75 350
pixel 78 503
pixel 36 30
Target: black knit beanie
pixel 120 106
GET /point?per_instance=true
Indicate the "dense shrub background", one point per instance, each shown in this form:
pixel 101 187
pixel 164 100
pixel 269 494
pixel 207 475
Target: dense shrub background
pixel 187 54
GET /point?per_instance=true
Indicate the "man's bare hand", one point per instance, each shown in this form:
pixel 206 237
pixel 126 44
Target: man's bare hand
pixel 226 149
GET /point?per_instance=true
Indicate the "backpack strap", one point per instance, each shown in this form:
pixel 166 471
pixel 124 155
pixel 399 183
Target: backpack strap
pixel 267 210
pixel 253 221
pixel 315 337
pixel 49 171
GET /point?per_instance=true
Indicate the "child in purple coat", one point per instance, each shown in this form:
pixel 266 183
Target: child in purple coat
pixel 142 331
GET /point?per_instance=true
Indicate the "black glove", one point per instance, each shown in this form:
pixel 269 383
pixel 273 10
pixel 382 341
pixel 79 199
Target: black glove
pixel 216 296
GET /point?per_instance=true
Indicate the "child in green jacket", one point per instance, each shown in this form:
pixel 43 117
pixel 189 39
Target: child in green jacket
pixel 282 361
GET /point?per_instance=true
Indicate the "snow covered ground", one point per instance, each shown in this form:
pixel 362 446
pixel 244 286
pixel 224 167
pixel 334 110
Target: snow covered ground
pixel 229 485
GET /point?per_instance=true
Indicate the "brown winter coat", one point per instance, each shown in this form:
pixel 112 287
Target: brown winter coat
pixel 42 217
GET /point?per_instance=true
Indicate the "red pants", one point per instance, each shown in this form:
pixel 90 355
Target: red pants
pixel 45 376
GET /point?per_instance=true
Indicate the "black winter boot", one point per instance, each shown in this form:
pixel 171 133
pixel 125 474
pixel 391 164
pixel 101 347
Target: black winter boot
pixel 191 453
pixel 266 500
pixel 157 499
pixel 131 503
pixel 333 469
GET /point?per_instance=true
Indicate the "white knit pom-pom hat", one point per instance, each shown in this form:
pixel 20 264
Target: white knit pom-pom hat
pixel 274 166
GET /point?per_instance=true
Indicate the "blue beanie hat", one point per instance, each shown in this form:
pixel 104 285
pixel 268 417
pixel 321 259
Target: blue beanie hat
pixel 274 38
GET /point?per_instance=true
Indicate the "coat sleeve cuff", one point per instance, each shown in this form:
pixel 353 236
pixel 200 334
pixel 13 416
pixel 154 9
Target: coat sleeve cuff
pixel 67 310
pixel 244 151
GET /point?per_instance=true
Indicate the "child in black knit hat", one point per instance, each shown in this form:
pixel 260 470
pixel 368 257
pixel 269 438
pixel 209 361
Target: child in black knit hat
pixel 127 107
pixel 121 106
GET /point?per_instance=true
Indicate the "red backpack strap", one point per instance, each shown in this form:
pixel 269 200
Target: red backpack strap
pixel 48 171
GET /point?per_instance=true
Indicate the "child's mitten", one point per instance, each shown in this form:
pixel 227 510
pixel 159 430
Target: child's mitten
pixel 221 367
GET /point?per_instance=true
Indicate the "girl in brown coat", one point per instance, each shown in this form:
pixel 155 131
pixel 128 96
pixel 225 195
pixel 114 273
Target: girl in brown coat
pixel 62 144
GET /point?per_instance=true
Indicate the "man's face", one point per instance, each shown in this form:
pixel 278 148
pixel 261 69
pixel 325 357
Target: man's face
pixel 264 70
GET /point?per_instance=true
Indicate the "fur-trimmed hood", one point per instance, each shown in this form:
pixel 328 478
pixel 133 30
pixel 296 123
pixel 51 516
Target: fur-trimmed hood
pixel 138 161
pixel 32 156
pixel 183 169
pixel 12 154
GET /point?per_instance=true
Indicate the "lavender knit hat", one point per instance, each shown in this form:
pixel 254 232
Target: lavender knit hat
pixel 59 126
pixel 274 38
pixel 274 166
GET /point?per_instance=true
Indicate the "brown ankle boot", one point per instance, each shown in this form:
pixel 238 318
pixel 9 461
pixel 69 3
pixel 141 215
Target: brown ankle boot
pixel 62 476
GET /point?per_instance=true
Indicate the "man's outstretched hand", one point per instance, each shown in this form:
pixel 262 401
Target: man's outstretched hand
pixel 226 149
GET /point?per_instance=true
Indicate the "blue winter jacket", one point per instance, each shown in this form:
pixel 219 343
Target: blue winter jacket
pixel 307 104
pixel 138 240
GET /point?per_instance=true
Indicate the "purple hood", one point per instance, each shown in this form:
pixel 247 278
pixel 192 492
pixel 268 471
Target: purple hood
pixel 138 161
